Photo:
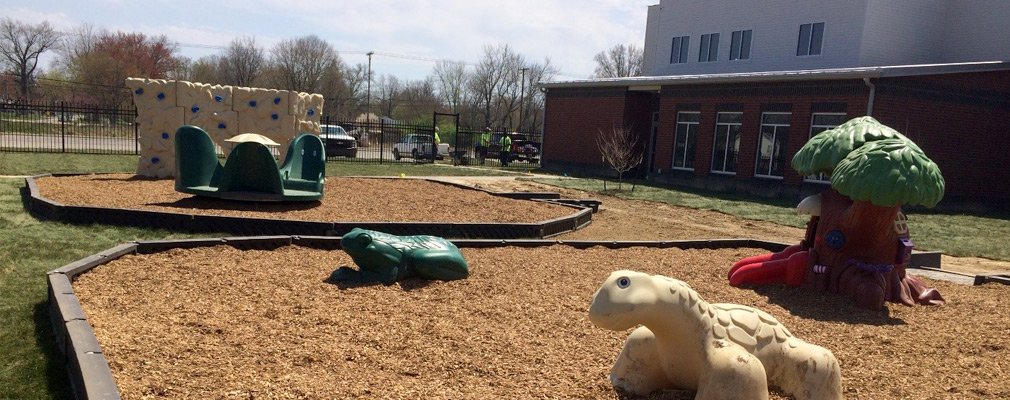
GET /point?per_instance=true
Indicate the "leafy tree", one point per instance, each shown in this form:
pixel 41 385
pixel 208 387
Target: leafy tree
pixel 105 60
pixel 20 46
pixel 619 61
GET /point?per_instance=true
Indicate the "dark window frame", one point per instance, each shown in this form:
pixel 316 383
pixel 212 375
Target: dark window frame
pixel 684 130
pixel 679 48
pixel 740 43
pixel 777 146
pixel 811 40
pixel 726 130
pixel 709 49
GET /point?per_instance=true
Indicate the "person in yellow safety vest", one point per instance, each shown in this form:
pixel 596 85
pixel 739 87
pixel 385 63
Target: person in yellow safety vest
pixel 506 149
pixel 481 148
pixel 434 150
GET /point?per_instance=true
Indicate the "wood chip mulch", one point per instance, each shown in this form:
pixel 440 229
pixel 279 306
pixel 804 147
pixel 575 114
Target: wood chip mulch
pixel 225 323
pixel 345 200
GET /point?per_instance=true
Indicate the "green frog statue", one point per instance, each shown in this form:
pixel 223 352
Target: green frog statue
pixel 386 258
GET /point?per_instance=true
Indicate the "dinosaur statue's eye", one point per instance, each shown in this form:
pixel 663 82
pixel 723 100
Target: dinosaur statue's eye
pixel 623 283
pixel 834 239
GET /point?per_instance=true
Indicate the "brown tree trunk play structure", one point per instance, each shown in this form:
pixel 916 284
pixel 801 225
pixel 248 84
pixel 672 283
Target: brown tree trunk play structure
pixel 861 250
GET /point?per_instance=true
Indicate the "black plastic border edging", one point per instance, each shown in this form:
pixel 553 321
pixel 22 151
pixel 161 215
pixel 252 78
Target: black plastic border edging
pixel 90 375
pixel 48 209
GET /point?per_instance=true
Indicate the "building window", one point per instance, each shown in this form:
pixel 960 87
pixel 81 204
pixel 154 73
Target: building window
pixel 739 48
pixel 727 142
pixel 683 145
pixel 811 36
pixel 820 122
pixel 678 51
pixel 772 145
pixel 709 48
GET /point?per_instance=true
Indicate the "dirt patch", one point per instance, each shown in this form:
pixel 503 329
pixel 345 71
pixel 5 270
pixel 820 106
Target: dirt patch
pixel 357 199
pixel 621 219
pixel 346 199
pixel 225 323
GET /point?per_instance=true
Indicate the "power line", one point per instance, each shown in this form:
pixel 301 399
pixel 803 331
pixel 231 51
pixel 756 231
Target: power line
pixel 356 52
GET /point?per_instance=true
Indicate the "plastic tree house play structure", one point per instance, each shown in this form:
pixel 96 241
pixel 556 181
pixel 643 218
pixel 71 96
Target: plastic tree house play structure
pixel 722 351
pixel 857 242
pixel 250 172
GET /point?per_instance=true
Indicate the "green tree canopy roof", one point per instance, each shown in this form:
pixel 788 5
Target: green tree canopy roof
pixel 822 153
pixel 888 173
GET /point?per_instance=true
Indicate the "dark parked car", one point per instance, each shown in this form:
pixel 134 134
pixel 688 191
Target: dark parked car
pixel 522 148
pixel 338 142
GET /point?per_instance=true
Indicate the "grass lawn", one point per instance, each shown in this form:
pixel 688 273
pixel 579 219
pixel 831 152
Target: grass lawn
pixel 952 234
pixel 30 366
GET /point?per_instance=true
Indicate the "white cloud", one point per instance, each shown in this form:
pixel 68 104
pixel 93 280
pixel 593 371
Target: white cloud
pixel 569 32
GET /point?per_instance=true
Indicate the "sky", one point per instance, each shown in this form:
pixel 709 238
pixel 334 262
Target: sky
pixel 407 36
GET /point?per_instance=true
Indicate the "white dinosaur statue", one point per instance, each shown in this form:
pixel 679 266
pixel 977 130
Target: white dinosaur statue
pixel 723 351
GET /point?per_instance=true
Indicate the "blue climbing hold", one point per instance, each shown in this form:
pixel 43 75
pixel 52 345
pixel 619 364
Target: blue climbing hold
pixel 312 112
pixel 221 126
pixel 273 116
pixel 139 91
pixel 155 160
pixel 195 108
pixel 164 135
pixel 277 100
pixel 218 98
pixel 252 103
pixel 161 96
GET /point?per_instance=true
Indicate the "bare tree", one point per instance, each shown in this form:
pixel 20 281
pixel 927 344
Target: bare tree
pixel 450 79
pixel 300 64
pixel 355 90
pixel 619 61
pixel 206 69
pixel 533 103
pixel 417 100
pixel 389 88
pixel 495 85
pixel 619 147
pixel 21 44
pixel 243 62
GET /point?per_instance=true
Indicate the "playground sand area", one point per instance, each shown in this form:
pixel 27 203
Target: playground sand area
pixel 226 323
pixel 346 199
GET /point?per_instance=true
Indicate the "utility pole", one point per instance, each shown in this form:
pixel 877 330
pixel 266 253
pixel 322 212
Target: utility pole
pixel 368 102
pixel 522 96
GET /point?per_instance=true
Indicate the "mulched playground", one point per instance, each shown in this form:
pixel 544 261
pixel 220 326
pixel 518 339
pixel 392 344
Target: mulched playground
pixel 220 322
pixel 226 323
pixel 345 199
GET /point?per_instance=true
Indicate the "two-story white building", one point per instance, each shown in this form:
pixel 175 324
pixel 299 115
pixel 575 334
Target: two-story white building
pixel 732 89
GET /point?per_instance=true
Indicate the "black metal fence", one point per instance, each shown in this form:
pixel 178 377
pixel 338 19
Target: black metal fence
pixel 386 141
pixel 88 129
pixel 67 128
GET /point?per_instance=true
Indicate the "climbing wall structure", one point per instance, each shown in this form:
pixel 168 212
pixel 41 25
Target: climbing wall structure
pixel 223 111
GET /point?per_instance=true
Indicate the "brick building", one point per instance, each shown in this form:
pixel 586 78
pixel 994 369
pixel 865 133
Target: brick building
pixel 737 128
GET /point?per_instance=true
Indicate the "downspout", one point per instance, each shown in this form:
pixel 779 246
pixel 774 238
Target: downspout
pixel 543 132
pixel 869 102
